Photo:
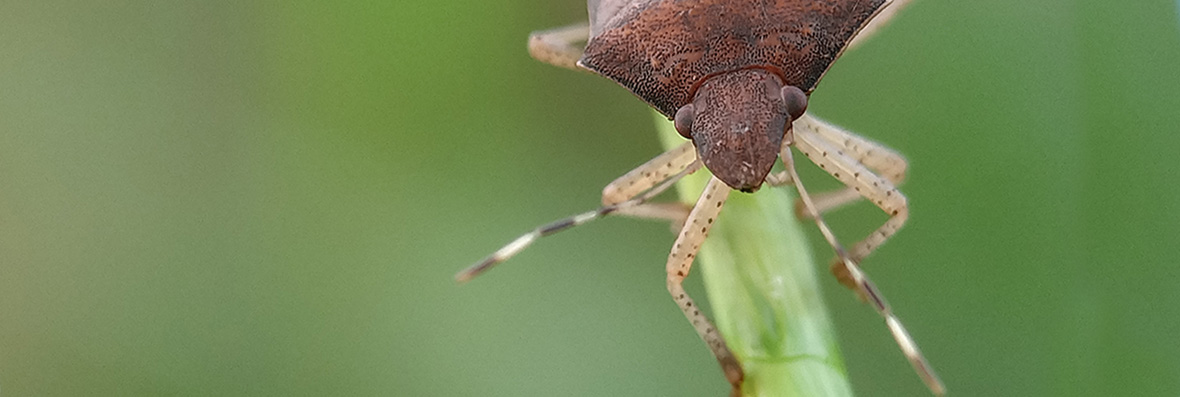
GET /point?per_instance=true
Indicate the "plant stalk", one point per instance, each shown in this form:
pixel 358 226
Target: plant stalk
pixel 765 297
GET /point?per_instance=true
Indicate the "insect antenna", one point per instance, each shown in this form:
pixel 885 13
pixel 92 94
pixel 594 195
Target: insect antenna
pixel 524 241
pixel 865 287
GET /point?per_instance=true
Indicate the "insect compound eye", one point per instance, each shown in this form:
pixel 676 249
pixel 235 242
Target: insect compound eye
pixel 796 101
pixel 683 120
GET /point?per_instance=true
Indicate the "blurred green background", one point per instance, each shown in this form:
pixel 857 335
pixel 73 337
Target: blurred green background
pixel 220 197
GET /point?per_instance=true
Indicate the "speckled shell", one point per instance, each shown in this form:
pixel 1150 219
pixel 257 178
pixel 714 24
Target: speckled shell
pixel 662 49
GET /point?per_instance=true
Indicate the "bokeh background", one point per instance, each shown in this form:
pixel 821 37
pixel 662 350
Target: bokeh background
pixel 210 198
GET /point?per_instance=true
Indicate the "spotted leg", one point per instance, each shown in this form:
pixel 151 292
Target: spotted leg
pixel 860 283
pixel 693 226
pixel 559 46
pixel 647 176
pixel 684 250
pixel 877 157
pixel 626 196
pixel 880 191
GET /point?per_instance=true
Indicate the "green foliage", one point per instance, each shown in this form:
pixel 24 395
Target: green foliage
pixel 219 198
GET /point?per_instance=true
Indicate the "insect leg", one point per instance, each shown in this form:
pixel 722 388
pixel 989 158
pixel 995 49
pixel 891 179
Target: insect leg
pixel 558 46
pixel 684 250
pixel 880 191
pixel 779 179
pixel 877 157
pixel 887 162
pixel 645 177
pixel 652 187
pixel 864 287
pixel 881 19
pixel 649 174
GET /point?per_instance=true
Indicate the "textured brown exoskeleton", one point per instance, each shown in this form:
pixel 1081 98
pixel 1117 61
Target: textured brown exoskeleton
pixel 734 76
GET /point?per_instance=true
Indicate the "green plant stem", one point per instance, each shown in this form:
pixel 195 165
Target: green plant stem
pixel 762 287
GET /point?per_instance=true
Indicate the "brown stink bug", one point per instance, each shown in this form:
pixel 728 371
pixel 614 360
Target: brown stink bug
pixel 734 76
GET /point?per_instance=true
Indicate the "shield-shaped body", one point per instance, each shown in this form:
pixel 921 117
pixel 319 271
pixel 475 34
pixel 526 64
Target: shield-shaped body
pixel 662 49
pixel 733 73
